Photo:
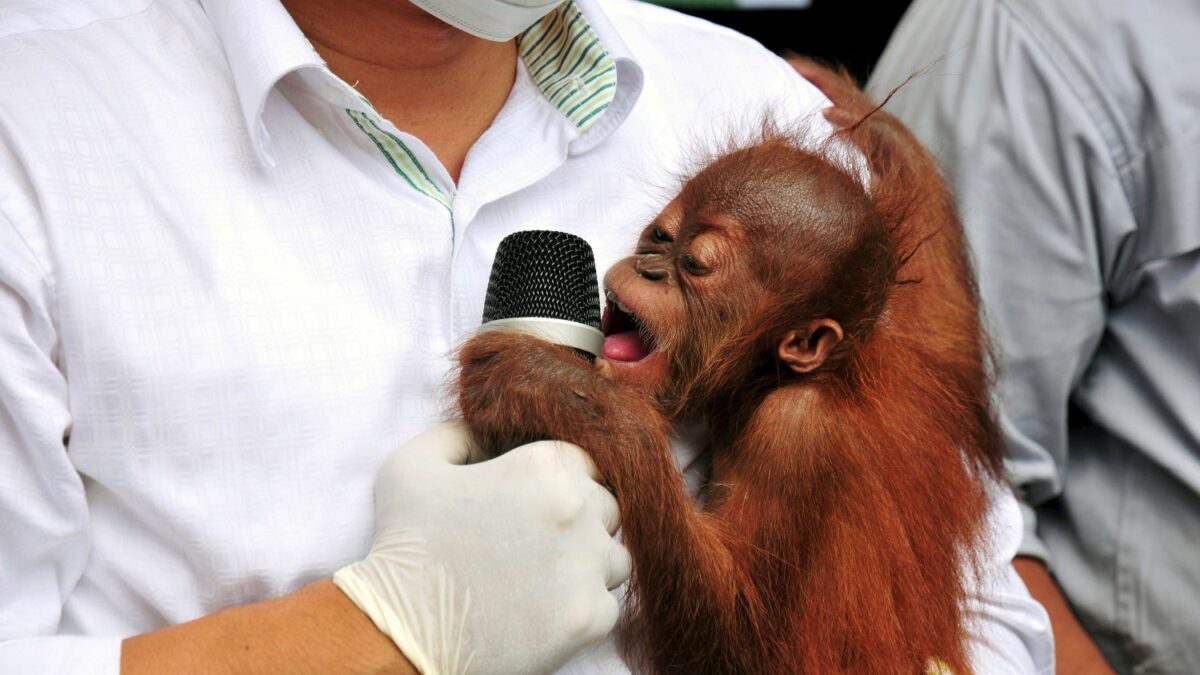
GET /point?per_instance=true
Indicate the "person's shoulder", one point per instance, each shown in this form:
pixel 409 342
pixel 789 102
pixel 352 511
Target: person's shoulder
pixel 33 17
pixel 78 53
pixel 699 72
pixel 1108 30
pixel 46 43
pixel 664 26
pixel 657 35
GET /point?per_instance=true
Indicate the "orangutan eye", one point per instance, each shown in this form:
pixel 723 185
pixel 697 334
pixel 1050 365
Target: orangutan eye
pixel 658 235
pixel 693 266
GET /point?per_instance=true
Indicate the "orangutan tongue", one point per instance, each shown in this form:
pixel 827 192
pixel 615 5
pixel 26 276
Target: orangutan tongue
pixel 627 346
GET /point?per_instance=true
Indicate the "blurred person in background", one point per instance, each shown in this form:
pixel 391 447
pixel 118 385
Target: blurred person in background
pixel 1070 131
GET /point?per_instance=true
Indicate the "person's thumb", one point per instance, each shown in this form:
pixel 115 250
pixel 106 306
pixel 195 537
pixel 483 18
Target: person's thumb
pixel 447 443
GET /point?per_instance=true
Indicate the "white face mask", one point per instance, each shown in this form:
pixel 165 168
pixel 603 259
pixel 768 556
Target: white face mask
pixel 498 20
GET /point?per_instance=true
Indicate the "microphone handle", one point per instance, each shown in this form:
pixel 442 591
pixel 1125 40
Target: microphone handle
pixel 586 340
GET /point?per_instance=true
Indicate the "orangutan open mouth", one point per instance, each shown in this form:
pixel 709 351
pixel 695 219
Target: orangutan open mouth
pixel 626 337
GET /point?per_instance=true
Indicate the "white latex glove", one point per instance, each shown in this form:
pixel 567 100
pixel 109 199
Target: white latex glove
pixel 498 567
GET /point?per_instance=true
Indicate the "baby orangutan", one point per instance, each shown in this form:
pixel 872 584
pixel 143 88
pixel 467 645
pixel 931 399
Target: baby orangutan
pixel 830 340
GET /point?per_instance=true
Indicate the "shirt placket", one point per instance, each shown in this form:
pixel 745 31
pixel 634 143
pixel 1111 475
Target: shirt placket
pixel 416 165
pixel 421 172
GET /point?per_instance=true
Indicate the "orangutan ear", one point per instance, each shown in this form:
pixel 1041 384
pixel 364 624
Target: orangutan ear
pixel 805 349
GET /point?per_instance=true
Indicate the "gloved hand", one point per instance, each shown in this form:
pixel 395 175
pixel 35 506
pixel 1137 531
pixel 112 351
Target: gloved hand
pixel 498 567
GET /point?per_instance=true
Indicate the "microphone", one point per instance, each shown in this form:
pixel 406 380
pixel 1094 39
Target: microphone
pixel 543 283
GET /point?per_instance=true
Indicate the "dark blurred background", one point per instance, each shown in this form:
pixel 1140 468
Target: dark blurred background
pixel 849 32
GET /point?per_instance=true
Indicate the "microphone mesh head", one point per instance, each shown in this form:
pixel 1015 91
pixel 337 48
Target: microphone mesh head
pixel 547 274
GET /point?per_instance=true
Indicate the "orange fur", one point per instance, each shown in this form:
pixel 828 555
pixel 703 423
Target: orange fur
pixel 847 504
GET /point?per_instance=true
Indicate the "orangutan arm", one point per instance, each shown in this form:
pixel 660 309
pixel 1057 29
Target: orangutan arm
pixel 514 389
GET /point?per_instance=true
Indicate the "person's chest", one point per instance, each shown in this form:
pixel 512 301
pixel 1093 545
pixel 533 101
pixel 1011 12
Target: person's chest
pixel 207 301
pixel 243 343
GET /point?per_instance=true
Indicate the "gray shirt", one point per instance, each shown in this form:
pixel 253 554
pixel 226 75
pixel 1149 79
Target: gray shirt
pixel 1071 133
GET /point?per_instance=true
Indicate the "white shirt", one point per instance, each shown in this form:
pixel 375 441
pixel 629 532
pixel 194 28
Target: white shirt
pixel 223 301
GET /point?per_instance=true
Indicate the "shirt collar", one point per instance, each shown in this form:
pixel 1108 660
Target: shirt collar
pixel 263 44
pixel 582 67
pixel 629 78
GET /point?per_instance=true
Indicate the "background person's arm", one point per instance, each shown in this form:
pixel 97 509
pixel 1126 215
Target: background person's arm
pixel 1073 647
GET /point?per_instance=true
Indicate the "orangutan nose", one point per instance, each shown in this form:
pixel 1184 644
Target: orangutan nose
pixel 652 266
